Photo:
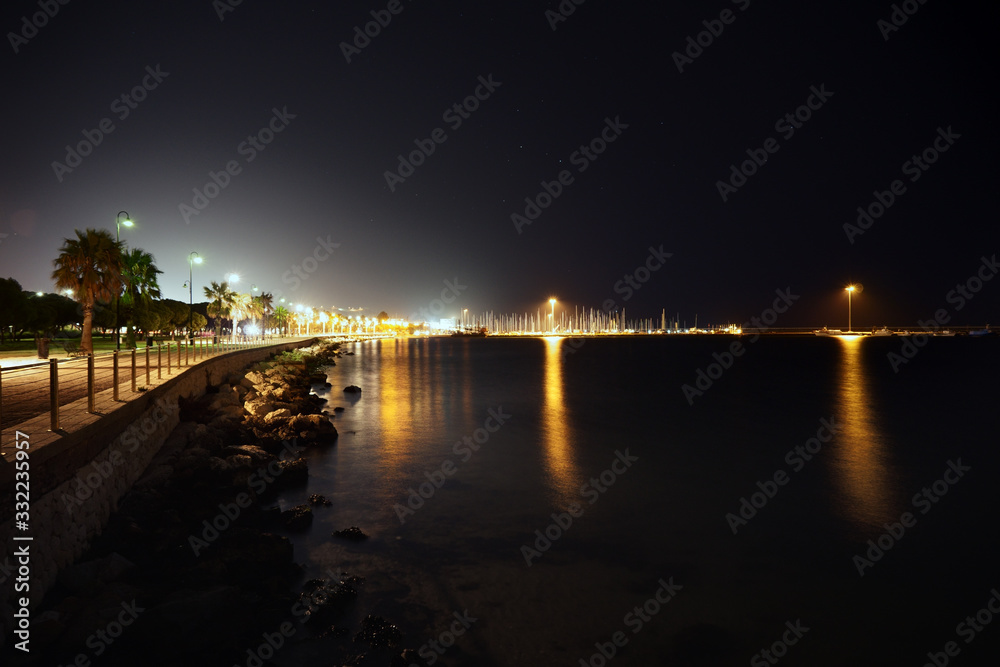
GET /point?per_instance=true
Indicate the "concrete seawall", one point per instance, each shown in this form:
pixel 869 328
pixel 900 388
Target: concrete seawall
pixel 77 480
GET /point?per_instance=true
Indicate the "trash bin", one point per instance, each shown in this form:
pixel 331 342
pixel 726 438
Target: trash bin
pixel 43 348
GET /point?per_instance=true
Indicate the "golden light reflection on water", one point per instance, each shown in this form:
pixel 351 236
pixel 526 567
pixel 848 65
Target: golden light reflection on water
pixel 557 433
pixel 860 463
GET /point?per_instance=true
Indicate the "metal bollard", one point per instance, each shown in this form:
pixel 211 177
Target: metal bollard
pixel 133 370
pixel 53 395
pixel 168 358
pixel 90 383
pixel 146 383
pixel 114 376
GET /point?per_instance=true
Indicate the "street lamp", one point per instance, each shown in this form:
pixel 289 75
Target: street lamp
pixel 851 289
pixel 552 302
pixel 464 311
pixel 193 258
pixel 118 230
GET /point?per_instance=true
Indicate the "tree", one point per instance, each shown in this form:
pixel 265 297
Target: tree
pixel 140 283
pixel 15 306
pixel 281 318
pixel 266 301
pixel 220 301
pixel 240 308
pixel 91 266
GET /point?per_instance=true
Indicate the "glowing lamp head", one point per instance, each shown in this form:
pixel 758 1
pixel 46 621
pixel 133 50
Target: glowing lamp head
pixel 197 260
pixel 234 277
pixel 127 222
pixel 552 302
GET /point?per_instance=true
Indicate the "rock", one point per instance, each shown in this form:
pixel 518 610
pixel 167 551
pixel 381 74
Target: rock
pixel 255 453
pixel 377 631
pixel 87 578
pixel 317 499
pixel 238 461
pixel 291 472
pixel 297 518
pixel 258 407
pixel 352 389
pixel 253 379
pixel 328 600
pixel 338 409
pixel 271 417
pixel 353 533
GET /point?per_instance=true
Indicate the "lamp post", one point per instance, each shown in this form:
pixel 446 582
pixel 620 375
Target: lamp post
pixel 552 302
pixel 193 258
pixel 118 297
pixel 850 290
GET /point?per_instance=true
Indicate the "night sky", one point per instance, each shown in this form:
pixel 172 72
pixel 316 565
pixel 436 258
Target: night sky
pixel 214 79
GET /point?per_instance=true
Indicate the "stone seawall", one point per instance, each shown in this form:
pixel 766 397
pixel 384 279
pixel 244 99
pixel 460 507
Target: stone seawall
pixel 77 480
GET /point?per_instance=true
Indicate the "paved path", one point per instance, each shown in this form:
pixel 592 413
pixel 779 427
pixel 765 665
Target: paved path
pixel 25 391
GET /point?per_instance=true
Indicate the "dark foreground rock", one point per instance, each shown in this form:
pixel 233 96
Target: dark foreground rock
pixel 353 533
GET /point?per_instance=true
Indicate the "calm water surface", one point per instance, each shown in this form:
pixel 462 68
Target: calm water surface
pixel 569 414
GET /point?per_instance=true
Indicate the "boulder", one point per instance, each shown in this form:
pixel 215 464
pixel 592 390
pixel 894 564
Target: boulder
pixel 297 518
pixel 253 379
pixel 352 389
pixel 276 415
pixel 258 407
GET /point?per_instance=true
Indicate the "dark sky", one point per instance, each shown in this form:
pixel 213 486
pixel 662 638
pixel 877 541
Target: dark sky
pixel 323 175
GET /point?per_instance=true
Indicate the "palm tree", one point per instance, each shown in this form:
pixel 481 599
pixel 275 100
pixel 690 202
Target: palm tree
pixel 91 266
pixel 140 285
pixel 266 300
pixel 281 317
pixel 240 307
pixel 220 303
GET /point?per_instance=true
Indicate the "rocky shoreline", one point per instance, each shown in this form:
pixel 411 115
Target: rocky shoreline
pixel 193 566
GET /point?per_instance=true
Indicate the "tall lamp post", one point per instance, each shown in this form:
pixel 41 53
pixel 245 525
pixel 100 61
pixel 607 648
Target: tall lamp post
pixel 552 302
pixel 851 289
pixel 193 258
pixel 118 297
